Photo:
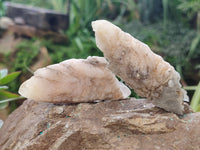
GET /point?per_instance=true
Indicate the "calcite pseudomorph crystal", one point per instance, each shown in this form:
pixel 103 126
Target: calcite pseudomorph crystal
pixel 74 81
pixel 141 69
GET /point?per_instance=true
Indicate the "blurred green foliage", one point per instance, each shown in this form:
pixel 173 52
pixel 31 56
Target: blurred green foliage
pixel 169 27
pixel 43 3
pixel 2 8
pixel 60 5
pixel 25 53
pixel 57 5
pixel 189 7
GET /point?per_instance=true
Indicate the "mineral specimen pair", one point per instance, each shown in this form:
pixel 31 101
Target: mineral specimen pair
pixel 79 80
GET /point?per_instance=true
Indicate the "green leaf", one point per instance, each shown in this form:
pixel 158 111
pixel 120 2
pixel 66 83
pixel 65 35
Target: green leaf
pixel 3 73
pixel 6 94
pixel 190 88
pixel 3 87
pixel 79 43
pixel 196 99
pixel 3 105
pixel 10 77
pixel 12 99
pixel 198 108
pixel 194 45
pixel 5 97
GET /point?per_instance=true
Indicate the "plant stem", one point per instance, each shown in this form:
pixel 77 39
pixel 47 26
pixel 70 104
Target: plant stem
pixel 198 21
pixel 196 98
pixel 190 88
pixel 165 12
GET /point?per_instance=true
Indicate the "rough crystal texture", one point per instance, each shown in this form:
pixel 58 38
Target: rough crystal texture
pixel 74 81
pixel 141 69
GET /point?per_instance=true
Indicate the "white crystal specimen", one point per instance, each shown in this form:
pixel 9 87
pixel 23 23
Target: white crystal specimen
pixel 141 69
pixel 74 81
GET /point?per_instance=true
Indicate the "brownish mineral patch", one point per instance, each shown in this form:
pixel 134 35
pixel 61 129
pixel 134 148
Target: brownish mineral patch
pixel 132 124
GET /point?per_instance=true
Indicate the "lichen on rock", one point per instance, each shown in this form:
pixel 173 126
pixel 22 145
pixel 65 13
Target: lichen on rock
pixel 141 69
pixel 74 81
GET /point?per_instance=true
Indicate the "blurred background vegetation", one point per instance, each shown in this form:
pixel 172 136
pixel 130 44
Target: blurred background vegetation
pixel 170 27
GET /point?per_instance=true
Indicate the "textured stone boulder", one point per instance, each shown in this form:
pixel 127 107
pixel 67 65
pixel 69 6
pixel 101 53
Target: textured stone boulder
pixel 114 125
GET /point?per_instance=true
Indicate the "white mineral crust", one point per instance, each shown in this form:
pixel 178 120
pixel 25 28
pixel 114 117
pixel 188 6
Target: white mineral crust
pixel 141 69
pixel 74 81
